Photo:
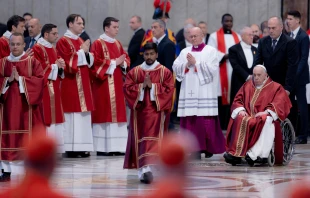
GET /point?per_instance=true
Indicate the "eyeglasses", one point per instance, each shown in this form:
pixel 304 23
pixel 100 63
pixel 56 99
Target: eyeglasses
pixel 193 36
pixel 54 33
pixel 16 44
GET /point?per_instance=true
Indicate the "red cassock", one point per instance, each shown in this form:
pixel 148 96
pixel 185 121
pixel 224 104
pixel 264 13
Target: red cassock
pixel 75 87
pixel 243 132
pixel 4 47
pixel 52 106
pixel 149 119
pixel 20 112
pixel 108 89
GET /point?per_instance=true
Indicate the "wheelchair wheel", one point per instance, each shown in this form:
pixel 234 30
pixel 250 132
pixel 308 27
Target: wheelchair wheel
pixel 288 136
pixel 271 159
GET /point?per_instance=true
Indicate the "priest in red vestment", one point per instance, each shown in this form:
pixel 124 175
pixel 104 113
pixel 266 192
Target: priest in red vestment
pixel 76 95
pixel 257 106
pixel 14 24
pixel 52 66
pixel 21 82
pixel 110 67
pixel 148 90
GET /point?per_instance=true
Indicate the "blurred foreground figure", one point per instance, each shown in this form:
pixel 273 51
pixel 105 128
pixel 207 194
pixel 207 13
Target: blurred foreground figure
pixel 300 190
pixel 40 162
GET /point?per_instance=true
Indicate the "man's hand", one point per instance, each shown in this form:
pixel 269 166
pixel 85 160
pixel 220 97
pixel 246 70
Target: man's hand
pixel 12 75
pixel 60 63
pixel 260 114
pixel 16 75
pixel 243 113
pixel 29 51
pixel 287 92
pixel 225 57
pixel 147 81
pixel 120 60
pixel 85 46
pixel 191 59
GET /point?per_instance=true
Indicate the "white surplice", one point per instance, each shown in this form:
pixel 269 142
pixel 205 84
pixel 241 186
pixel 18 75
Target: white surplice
pixel 229 41
pixel 198 93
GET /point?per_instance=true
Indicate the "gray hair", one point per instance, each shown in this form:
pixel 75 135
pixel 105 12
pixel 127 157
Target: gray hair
pixel 242 31
pixel 187 27
pixel 161 23
pixel 138 18
pixel 279 20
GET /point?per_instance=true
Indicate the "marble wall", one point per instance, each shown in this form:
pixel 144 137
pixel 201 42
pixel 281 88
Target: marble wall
pixel 245 12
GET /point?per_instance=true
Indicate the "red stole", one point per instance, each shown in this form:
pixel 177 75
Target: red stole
pixel 223 66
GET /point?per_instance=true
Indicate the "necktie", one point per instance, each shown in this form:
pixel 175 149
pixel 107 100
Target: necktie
pixel 32 43
pixel 292 35
pixel 156 42
pixel 274 42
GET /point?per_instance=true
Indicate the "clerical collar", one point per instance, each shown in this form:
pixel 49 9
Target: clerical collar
pixel 7 34
pixel 198 48
pixel 227 31
pixel 107 38
pixel 71 35
pixel 157 41
pixel 245 45
pixel 144 66
pixel 45 43
pixel 14 58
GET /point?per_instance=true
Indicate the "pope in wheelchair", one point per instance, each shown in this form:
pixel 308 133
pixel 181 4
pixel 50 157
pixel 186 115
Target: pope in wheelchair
pixel 258 129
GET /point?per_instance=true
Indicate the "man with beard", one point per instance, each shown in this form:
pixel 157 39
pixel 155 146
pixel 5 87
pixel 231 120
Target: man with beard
pixel 148 91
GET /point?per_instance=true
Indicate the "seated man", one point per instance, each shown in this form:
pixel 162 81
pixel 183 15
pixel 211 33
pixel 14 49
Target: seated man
pixel 251 131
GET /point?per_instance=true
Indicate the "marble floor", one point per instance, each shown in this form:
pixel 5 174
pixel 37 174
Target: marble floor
pixel 105 177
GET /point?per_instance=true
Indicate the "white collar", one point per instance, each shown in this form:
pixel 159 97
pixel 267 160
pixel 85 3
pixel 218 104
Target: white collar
pixel 295 32
pixel 45 43
pixel 144 66
pixel 13 58
pixel 69 34
pixel 276 39
pixel 7 34
pixel 188 44
pixel 260 86
pixel 245 45
pixel 107 38
pixel 158 40
pixel 36 38
pixel 139 28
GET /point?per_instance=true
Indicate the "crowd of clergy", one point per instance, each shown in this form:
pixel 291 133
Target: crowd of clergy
pixel 99 97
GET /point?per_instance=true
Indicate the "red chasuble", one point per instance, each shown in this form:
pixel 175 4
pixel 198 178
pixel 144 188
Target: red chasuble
pixel 243 132
pixel 4 47
pixel 108 89
pixel 149 119
pixel 75 87
pixel 52 106
pixel 20 112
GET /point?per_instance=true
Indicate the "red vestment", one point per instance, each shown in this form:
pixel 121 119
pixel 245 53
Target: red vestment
pixel 20 112
pixel 4 47
pixel 149 119
pixel 243 132
pixel 108 89
pixel 75 87
pixel 52 106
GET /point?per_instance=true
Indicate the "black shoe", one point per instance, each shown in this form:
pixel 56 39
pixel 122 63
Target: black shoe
pixel 84 154
pixel 301 141
pixel 118 154
pixel 249 160
pixel 147 178
pixel 208 155
pixel 5 177
pixel 104 154
pixel 230 159
pixel 71 154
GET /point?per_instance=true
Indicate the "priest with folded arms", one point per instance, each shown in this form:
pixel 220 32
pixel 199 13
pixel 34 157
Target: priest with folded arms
pixel 148 91
pixel 21 82
pixel 52 66
pixel 197 69
pixel 259 103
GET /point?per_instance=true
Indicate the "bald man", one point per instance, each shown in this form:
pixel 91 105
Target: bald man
pixel 34 28
pixel 180 35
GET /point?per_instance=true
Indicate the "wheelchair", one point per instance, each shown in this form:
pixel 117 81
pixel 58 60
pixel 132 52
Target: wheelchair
pixel 288 140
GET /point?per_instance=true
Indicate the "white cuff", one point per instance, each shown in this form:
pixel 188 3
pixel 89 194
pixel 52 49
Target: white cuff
pixel 141 94
pixel 21 85
pixel 273 114
pixel 111 68
pixel 54 72
pixel 125 67
pixel 152 92
pixel 220 55
pixel 236 111
pixel 6 87
pixel 62 76
pixel 82 58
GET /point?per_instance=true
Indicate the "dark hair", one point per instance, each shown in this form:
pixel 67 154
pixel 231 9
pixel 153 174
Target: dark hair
pixel 71 18
pixel 47 28
pixel 17 34
pixel 14 21
pixel 202 22
pixel 83 21
pixel 295 14
pixel 27 14
pixel 225 15
pixel 150 46
pixel 264 25
pixel 107 22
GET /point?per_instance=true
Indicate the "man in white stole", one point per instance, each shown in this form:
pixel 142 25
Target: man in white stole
pixel 197 68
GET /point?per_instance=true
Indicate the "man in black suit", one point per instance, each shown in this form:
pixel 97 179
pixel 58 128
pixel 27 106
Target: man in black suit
pixel 279 54
pixel 34 28
pixel 302 75
pixel 166 48
pixel 241 57
pixel 186 42
pixel 27 16
pixel 180 35
pixel 84 34
pixel 135 42
pixel 203 26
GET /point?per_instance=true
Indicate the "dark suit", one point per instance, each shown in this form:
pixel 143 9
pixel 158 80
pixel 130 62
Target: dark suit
pixel 301 81
pixel 134 48
pixel 85 36
pixel 241 71
pixel 27 42
pixel 179 37
pixel 166 52
pixel 281 64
